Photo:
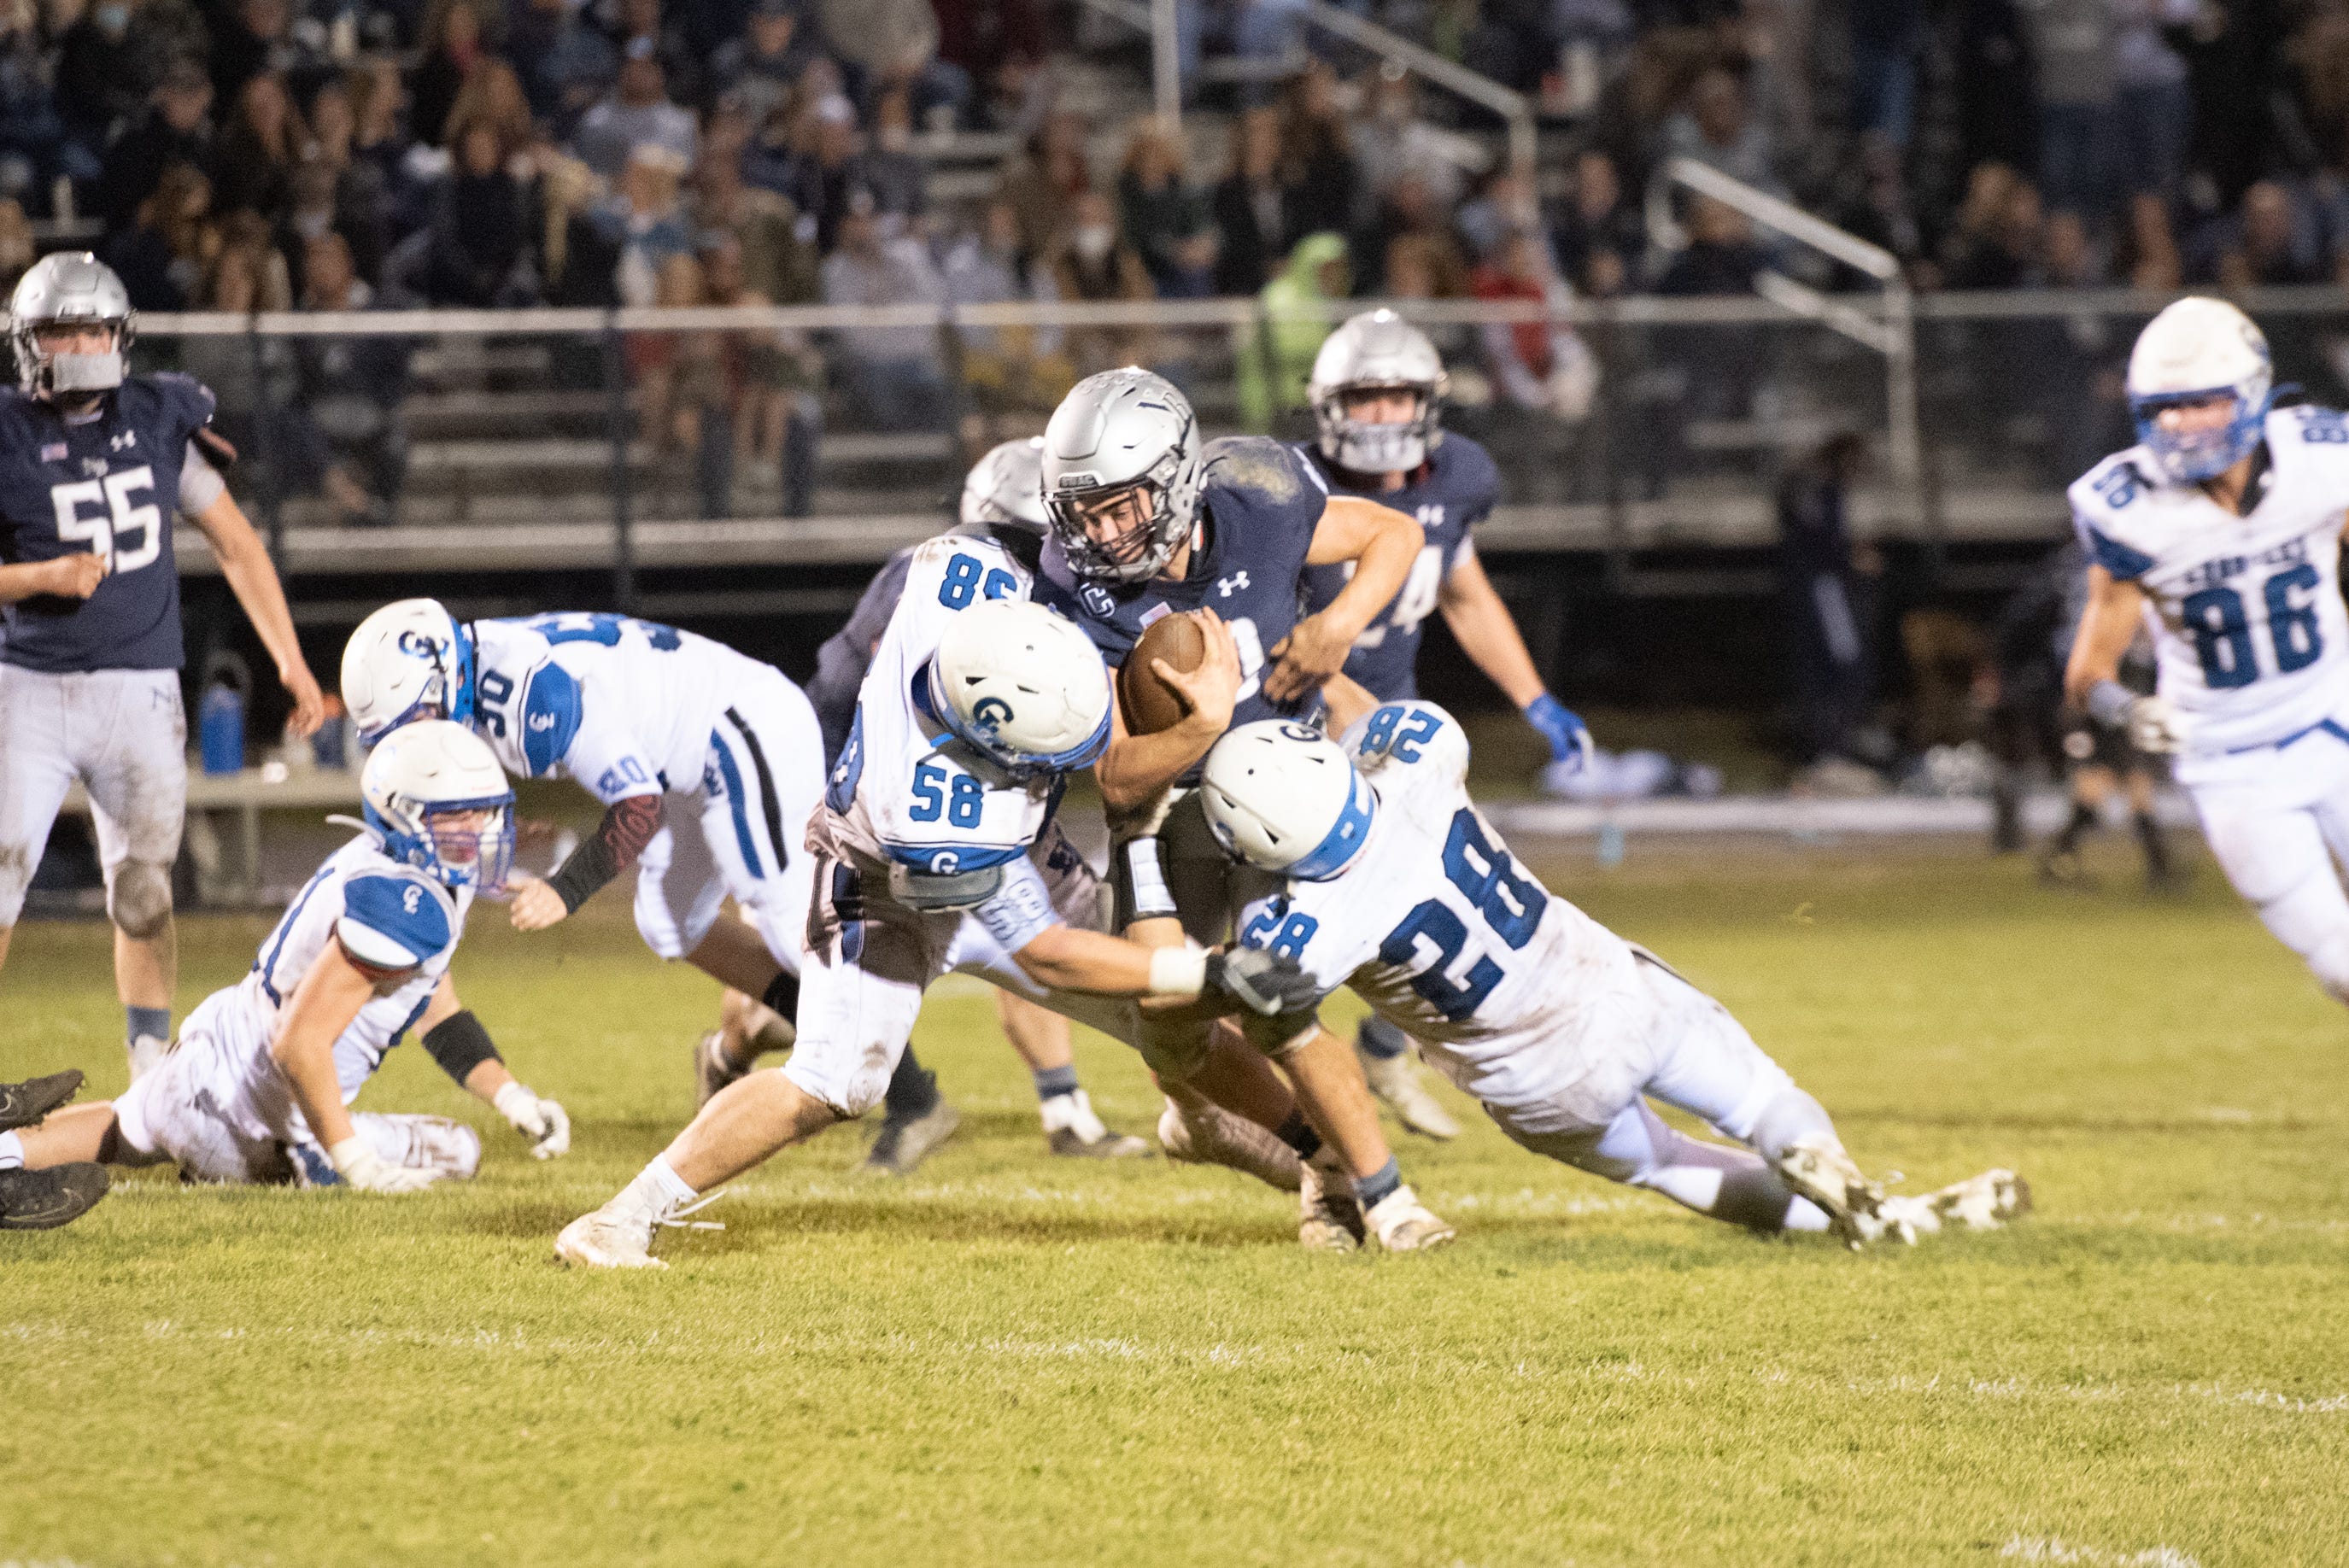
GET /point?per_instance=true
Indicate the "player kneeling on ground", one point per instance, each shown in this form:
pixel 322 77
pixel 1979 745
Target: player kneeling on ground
pixel 256 1086
pixel 937 819
pixel 1556 1025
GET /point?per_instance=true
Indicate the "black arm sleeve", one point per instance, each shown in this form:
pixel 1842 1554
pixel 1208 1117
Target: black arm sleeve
pixel 628 827
pixel 460 1044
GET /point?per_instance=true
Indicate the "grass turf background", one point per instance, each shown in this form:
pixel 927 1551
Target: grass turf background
pixel 1016 1359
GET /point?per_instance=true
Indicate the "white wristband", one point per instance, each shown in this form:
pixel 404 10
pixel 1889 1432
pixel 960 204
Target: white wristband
pixel 352 1151
pixel 1178 972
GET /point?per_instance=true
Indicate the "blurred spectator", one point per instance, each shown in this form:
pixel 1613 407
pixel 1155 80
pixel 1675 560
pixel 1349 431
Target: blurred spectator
pixel 893 44
pixel 642 219
pixel 893 371
pixel 2073 65
pixel 2154 109
pixel 1717 127
pixel 564 64
pixel 1425 267
pixel 1392 140
pixel 643 22
pixel 899 180
pixel 381 145
pixel 19 250
pixel 1506 204
pixel 453 47
pixel 253 378
pixel 1410 209
pixel 1166 219
pixel 32 146
pixel 174 128
pixel 1535 365
pixel 1826 589
pixel 1251 207
pixel 348 439
pixel 2272 241
pixel 1091 261
pixel 831 173
pixel 2153 262
pixel 1599 240
pixel 1274 355
pixel 1888 42
pixel 774 413
pixel 259 146
pixel 251 36
pixel 1722 257
pixel 776 263
pixel 635 115
pixel 760 69
pixel 1043 183
pixel 160 258
pixel 482 228
pixel 2004 252
pixel 1014 373
pixel 492 93
pixel 110 60
pixel 1317 170
pixel 1874 203
pixel 361 204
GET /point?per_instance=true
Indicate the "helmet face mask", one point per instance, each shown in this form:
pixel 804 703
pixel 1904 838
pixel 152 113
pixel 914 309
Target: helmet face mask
pixel 65 295
pixel 2199 386
pixel 1377 351
pixel 1122 475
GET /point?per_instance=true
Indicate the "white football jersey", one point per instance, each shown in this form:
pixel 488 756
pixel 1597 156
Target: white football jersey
pixel 620 705
pixel 392 920
pixel 1442 932
pixel 2252 642
pixel 903 790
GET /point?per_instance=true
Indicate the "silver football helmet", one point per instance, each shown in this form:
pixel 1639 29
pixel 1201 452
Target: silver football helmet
pixel 1003 500
pixel 1123 474
pixel 69 288
pixel 1377 349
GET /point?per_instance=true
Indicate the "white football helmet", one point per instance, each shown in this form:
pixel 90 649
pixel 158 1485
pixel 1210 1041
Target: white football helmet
pixel 69 287
pixel 425 773
pixel 2197 349
pixel 1117 432
pixel 1023 686
pixel 1377 349
pixel 1003 498
pixel 409 660
pixel 1285 798
pixel 1417 734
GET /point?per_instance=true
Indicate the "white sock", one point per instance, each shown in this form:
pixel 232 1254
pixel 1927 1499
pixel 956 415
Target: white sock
pixel 658 1189
pixel 1804 1215
pixel 12 1152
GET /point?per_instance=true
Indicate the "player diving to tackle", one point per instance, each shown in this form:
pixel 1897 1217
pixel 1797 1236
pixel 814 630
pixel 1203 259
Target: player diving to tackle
pixel 1148 522
pixel 1377 872
pixel 2222 528
pixel 93 462
pixel 1377 391
pixel 706 762
pixel 937 852
pixel 1003 500
pixel 257 1088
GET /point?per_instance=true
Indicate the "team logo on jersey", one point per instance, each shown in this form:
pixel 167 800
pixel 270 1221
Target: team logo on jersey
pixel 1432 515
pixel 1227 586
pixel 411 898
pixel 1097 598
pixel 991 713
pixel 945 863
pixel 541 721
pixel 123 442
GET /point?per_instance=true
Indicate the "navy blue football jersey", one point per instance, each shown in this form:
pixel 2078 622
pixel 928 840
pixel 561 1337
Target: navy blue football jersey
pixel 109 484
pixel 1259 504
pixel 1450 493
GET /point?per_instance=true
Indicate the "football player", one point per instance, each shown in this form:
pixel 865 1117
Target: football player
pixel 706 763
pixel 2224 527
pixel 256 1088
pixel 1147 522
pixel 1002 498
pixel 1381 875
pixel 1377 391
pixel 93 463
pixel 938 853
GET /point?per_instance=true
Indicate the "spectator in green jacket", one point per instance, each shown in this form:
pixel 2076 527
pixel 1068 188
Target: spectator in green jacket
pixel 1275 352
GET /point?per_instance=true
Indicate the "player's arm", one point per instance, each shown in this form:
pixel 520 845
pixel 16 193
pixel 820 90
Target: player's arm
pixel 1135 767
pixel 73 576
pixel 244 561
pixel 2109 624
pixel 1488 635
pixel 629 825
pixel 456 1040
pixel 332 991
pixel 1382 543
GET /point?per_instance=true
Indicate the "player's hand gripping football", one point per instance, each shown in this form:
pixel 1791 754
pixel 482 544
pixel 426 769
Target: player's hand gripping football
pixel 1262 982
pixel 1311 652
pixel 77 576
pixel 543 1122
pixel 1210 691
pixel 535 904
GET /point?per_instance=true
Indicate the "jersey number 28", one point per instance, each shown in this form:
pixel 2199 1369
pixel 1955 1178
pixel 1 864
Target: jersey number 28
pixel 1508 906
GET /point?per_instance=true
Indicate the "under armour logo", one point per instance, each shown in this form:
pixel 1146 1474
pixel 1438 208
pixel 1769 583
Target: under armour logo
pixel 1227 586
pixel 126 438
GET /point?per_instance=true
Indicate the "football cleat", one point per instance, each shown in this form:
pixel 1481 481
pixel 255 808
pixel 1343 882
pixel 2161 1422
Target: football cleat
pixel 1396 1080
pixel 1819 1170
pixel 713 1069
pixel 904 1145
pixel 1202 1133
pixel 1402 1225
pixel 1983 1203
pixel 1329 1219
pixel 43 1199
pixel 607 1239
pixel 147 1054
pixel 1071 1129
pixel 24 1104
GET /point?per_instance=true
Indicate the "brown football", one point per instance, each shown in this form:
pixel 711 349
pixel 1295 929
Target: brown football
pixel 1149 703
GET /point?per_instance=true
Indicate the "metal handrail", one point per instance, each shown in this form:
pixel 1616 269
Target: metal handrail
pixel 1514 107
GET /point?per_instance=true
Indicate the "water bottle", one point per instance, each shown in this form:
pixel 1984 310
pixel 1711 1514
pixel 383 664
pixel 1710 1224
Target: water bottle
pixel 220 718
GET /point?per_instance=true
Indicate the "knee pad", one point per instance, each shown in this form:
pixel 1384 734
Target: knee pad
pixel 1174 1053
pixel 139 899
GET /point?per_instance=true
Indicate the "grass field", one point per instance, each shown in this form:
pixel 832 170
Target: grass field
pixel 1011 1359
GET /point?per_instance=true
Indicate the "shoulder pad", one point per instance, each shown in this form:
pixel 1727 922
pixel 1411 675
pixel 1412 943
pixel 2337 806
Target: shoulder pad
pixel 1259 465
pixel 1415 736
pixel 549 716
pixel 395 920
pixel 1475 465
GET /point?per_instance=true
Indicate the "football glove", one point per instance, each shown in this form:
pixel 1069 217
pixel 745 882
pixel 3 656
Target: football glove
pixel 1568 737
pixel 1267 983
pixel 361 1167
pixel 2154 726
pixel 541 1122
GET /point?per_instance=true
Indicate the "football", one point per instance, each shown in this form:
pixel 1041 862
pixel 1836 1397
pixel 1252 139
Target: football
pixel 1149 703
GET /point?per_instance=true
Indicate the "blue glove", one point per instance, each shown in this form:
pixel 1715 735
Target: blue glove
pixel 1568 737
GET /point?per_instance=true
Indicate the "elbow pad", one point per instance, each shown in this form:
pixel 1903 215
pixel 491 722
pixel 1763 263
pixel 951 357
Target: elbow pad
pixel 460 1044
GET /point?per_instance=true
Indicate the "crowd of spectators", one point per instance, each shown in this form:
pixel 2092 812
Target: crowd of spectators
pixel 375 154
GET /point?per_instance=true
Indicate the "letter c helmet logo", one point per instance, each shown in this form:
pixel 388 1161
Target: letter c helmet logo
pixel 991 713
